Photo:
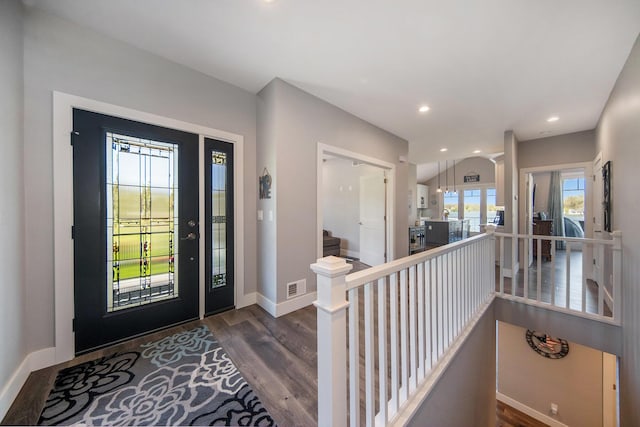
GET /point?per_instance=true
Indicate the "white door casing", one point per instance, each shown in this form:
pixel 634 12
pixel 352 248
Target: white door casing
pixel 63 105
pixel 390 172
pixel 597 219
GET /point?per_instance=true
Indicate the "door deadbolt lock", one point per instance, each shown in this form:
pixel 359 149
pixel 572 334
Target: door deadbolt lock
pixel 190 236
pixel 191 223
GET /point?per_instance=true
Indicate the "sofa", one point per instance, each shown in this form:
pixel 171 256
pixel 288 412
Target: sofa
pixel 330 244
pixel 572 228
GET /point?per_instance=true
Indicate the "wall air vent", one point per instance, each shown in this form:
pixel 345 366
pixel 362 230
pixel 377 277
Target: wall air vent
pixel 296 288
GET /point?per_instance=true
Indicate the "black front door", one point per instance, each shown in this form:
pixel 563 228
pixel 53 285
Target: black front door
pixel 135 228
pixel 219 247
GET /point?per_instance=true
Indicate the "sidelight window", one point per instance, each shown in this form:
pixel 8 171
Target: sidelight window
pixel 219 219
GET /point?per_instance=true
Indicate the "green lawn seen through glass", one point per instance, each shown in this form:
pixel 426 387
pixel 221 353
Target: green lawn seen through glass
pixel 129 255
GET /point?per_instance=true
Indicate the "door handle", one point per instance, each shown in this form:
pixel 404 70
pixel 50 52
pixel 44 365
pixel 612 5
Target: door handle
pixel 190 236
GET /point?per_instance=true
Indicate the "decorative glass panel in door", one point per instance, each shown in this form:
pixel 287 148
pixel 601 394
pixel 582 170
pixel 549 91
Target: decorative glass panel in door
pixel 142 221
pixel 219 275
pixel 135 228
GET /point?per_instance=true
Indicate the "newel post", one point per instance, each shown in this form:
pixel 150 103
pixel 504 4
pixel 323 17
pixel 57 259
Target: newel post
pixel 332 340
pixel 617 275
pixel 491 232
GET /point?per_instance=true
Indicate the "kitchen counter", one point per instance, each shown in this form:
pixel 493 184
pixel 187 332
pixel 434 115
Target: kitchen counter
pixel 417 242
pixel 442 232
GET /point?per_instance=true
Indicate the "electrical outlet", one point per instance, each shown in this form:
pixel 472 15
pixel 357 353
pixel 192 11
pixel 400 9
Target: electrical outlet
pixel 554 409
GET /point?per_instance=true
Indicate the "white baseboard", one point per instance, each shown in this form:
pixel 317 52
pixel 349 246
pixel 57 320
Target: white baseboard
pixel 509 272
pixel 247 300
pixel 551 422
pixel 349 253
pixel 268 305
pixel 34 361
pixel 286 307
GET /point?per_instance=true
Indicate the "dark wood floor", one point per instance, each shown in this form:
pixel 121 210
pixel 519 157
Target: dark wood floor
pixel 278 357
pixel 506 416
pixel 560 279
pixel 28 404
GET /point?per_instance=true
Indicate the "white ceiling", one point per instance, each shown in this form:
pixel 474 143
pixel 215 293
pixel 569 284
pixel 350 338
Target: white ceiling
pixel 483 66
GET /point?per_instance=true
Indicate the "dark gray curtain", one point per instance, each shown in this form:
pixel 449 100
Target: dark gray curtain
pixel 555 206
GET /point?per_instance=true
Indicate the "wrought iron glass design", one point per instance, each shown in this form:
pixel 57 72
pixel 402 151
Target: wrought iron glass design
pixel 218 220
pixel 142 221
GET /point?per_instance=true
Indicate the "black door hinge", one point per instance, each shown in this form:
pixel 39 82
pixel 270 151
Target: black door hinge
pixel 73 324
pixel 73 232
pixel 74 135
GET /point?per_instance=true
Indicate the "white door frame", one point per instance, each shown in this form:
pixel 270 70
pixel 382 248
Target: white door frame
pixel 63 105
pixel 588 194
pixel 390 169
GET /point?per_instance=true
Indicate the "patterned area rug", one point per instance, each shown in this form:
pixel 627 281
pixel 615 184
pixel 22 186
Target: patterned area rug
pixel 183 379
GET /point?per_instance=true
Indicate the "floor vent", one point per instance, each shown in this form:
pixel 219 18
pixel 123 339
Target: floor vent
pixel 296 288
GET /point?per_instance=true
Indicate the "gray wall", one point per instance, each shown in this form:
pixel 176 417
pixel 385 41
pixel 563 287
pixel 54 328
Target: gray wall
pixel 412 204
pixel 591 333
pixel 555 150
pixel 299 122
pixel 618 138
pixel 542 181
pixel 62 56
pixel 466 393
pixel 13 330
pixel 574 382
pixel 267 236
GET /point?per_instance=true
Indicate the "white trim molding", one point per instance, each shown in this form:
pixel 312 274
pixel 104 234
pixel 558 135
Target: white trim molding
pixel 63 105
pixel 390 169
pixel 34 361
pixel 285 307
pixel 552 422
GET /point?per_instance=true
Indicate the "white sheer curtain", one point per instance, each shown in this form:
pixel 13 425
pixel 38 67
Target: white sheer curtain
pixel 555 206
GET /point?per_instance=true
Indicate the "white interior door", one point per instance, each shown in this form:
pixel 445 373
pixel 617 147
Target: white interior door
pixel 598 218
pixel 372 219
pixel 609 390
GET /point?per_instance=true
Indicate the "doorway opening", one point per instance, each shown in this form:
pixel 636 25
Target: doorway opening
pixel 559 200
pixel 355 195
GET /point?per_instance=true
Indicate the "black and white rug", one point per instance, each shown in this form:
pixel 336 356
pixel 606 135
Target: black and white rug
pixel 183 379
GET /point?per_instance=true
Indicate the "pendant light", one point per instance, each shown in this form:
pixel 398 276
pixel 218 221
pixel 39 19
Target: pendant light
pixel 454 177
pixel 446 176
pixel 439 188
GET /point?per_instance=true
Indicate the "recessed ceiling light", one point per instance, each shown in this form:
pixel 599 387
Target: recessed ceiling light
pixel 477 151
pixel 443 149
pixel 553 119
pixel 424 109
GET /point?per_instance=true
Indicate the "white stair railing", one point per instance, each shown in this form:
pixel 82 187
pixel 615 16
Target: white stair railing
pixel 565 281
pixel 403 318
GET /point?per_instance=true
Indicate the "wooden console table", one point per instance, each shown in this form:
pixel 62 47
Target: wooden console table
pixel 543 227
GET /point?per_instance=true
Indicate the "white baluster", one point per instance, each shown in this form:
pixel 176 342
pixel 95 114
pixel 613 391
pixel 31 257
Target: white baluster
pixel 617 276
